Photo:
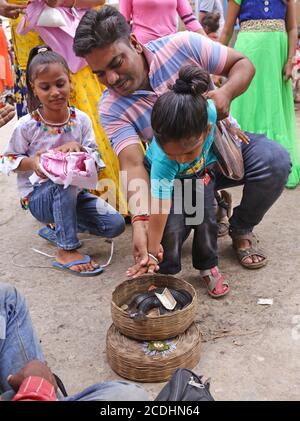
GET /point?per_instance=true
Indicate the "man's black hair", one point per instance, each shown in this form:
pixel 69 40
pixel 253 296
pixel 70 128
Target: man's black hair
pixel 98 29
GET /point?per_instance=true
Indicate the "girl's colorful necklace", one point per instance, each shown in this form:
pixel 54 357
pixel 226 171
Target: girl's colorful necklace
pixel 54 128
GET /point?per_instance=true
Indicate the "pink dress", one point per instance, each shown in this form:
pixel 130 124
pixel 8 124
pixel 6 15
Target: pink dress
pixel 60 39
pixel 152 19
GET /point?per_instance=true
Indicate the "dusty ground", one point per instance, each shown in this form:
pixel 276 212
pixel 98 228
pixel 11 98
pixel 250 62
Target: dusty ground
pixel 251 352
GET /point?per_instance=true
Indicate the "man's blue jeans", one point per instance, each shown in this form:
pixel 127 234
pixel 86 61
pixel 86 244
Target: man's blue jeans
pixel 117 390
pixel 19 345
pixel 74 211
pixel 267 166
pixel 18 342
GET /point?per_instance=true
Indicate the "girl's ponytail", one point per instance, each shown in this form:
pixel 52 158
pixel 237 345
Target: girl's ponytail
pixel 181 113
pixel 191 81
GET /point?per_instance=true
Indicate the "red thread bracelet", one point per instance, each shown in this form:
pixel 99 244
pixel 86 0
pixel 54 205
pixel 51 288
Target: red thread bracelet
pixel 139 218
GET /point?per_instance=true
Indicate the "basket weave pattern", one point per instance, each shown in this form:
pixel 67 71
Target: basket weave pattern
pixel 127 357
pixel 126 342
pixel 157 327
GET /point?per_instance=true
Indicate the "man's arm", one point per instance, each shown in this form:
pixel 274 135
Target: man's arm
pixel 34 382
pixel 131 161
pixel 240 71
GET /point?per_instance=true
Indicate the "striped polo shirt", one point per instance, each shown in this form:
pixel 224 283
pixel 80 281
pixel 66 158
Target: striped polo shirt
pixel 126 119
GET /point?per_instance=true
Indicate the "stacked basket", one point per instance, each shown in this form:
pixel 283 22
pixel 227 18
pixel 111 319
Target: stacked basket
pixel 129 352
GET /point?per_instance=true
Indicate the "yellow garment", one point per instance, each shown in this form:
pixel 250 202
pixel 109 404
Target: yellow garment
pixel 86 93
pixel 23 43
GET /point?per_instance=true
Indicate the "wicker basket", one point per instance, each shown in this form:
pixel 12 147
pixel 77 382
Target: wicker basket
pixel 127 356
pixel 158 327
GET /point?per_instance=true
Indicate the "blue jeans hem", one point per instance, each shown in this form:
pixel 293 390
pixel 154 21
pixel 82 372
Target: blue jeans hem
pixel 69 248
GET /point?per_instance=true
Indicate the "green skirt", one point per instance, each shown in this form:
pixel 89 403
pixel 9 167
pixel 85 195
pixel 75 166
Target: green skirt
pixel 267 106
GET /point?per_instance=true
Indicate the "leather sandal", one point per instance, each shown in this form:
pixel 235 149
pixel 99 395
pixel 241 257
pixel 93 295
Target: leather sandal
pixel 224 200
pixel 253 250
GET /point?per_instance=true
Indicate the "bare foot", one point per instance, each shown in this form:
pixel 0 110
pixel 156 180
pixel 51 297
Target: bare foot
pixel 67 256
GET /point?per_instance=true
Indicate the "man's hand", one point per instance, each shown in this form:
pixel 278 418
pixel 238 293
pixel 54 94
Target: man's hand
pixel 11 10
pixel 140 251
pixel 33 368
pixel 70 147
pixel 6 114
pixel 221 101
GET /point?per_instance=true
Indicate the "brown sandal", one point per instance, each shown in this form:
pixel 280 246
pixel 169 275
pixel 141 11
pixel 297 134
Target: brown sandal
pixel 253 250
pixel 224 200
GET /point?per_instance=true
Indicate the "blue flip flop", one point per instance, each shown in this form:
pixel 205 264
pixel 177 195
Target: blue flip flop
pixel 48 234
pixel 86 259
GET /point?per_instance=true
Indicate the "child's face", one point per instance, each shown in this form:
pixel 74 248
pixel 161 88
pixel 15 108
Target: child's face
pixel 186 151
pixel 52 86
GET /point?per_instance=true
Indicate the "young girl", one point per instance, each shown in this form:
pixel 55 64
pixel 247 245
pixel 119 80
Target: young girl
pixel 183 124
pixel 54 125
pixel 86 89
pixel 268 37
pixel 211 24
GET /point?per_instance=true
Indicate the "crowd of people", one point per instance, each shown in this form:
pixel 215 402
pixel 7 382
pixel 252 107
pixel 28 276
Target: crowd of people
pixel 126 84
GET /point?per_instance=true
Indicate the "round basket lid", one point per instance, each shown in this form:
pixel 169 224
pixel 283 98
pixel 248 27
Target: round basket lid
pixel 152 361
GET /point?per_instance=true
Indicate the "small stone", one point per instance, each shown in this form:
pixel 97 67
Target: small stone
pixel 237 343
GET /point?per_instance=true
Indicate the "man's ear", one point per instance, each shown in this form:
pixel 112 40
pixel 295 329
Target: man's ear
pixel 135 43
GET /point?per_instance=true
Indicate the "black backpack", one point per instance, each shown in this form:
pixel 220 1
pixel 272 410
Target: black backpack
pixel 185 385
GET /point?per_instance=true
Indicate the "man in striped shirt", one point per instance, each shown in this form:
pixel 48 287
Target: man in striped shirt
pixel 135 76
